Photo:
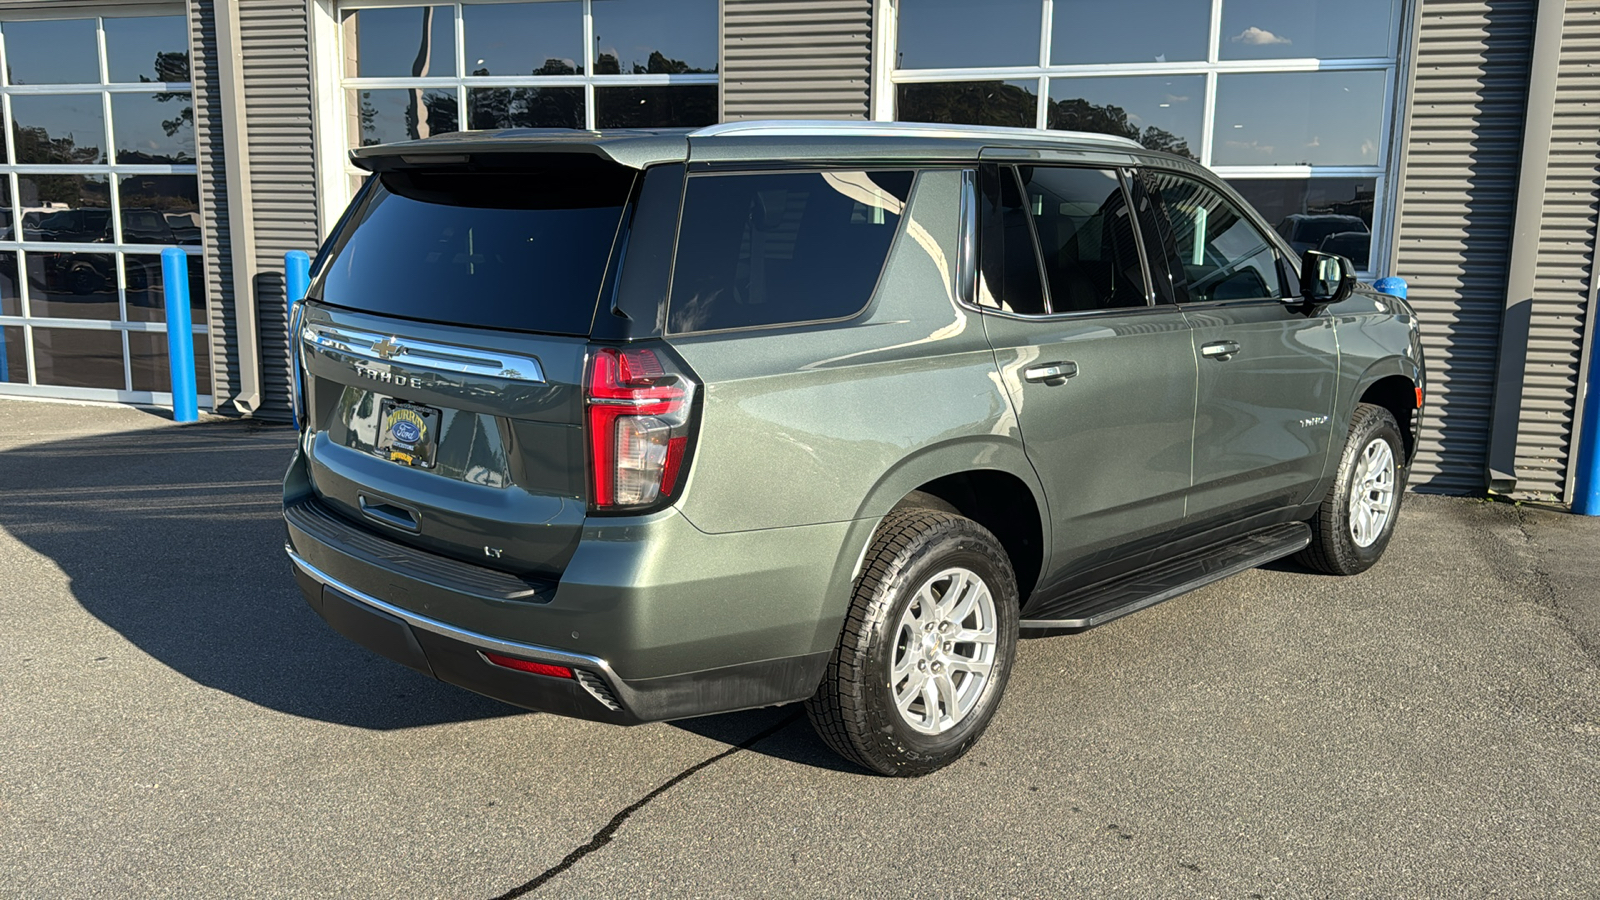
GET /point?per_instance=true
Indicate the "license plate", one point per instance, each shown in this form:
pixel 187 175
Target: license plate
pixel 407 433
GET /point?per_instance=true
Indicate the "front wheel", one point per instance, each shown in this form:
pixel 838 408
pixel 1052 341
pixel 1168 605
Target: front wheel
pixel 1356 519
pixel 926 647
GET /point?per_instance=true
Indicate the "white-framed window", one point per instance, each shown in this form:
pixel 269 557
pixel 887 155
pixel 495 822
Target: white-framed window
pixel 1291 101
pixel 98 177
pixel 409 71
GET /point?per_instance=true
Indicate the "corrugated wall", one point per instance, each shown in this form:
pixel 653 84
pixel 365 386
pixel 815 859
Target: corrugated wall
pixel 275 42
pixel 1563 281
pixel 213 203
pixel 1453 228
pixel 792 59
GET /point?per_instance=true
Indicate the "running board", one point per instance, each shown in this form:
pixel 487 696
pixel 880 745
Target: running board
pixel 1100 603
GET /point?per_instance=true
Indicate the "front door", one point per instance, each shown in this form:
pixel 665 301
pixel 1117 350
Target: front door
pixel 1103 382
pixel 1267 371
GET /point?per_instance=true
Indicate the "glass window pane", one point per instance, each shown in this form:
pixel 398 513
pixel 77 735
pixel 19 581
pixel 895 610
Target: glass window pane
pixel 5 209
pixel 147 358
pixel 402 115
pixel 146 297
pixel 482 250
pixel 72 285
pixel 648 36
pixel 1162 112
pixel 1222 254
pixel 1091 257
pixel 63 129
pixel 58 51
pixel 1328 118
pixel 13 355
pixel 524 38
pixel 492 108
pixel 147 48
pixel 73 208
pixel 1295 29
pixel 153 129
pixel 76 357
pixel 419 41
pixel 1007 263
pixel 10 293
pixel 655 107
pixel 1129 31
pixel 1329 214
pixel 938 34
pixel 1013 103
pixel 160 209
pixel 779 248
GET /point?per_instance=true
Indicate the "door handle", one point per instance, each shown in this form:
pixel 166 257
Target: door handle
pixel 1051 373
pixel 1220 350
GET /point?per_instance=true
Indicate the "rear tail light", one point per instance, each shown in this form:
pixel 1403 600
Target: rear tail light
pixel 297 389
pixel 637 413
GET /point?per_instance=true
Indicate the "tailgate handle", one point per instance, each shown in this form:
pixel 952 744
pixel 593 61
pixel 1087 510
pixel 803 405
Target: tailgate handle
pixel 387 513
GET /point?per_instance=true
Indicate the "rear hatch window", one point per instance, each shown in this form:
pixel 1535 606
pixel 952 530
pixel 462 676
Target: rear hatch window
pixel 522 250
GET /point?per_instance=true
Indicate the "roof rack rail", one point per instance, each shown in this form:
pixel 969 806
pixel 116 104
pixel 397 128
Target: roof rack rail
pixel 844 127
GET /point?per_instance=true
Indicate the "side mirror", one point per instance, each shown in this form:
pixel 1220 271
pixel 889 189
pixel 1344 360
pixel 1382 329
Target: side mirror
pixel 1325 278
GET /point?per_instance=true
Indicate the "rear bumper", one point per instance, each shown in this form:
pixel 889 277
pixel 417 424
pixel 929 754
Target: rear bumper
pixel 456 655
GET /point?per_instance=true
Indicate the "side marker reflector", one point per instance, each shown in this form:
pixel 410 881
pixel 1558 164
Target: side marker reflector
pixel 1419 398
pixel 528 665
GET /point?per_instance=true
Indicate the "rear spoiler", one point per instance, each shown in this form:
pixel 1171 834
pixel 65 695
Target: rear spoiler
pixel 494 149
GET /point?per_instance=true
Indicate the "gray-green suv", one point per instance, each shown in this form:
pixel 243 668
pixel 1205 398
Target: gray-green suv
pixel 637 425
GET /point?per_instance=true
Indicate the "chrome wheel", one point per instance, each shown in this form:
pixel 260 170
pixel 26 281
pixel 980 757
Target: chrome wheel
pixel 944 651
pixel 1372 493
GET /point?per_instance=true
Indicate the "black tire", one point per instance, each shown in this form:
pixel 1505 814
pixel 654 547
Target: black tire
pixel 1333 547
pixel 854 708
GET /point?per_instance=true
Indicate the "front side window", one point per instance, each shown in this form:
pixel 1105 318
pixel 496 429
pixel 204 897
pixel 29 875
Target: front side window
pixel 1222 255
pixel 782 247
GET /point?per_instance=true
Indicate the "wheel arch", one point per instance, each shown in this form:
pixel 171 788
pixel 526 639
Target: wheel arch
pixel 988 481
pixel 1392 383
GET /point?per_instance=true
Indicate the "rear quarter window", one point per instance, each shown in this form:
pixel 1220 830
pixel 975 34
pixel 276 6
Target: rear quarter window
pixel 777 248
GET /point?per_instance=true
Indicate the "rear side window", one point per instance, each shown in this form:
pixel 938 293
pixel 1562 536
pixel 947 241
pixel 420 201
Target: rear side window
pixel 776 248
pixel 1086 238
pixel 523 250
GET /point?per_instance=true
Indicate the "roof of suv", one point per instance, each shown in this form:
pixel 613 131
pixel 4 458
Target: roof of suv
pixel 752 140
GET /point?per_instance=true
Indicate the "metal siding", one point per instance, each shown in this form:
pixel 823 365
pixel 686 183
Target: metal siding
pixel 213 202
pixel 275 43
pixel 1562 284
pixel 1453 227
pixel 784 59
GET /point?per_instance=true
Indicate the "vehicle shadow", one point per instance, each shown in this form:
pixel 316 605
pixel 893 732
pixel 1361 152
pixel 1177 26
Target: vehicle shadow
pixel 173 537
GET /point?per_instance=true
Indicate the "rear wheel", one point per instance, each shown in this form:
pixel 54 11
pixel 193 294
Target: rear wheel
pixel 1356 519
pixel 926 648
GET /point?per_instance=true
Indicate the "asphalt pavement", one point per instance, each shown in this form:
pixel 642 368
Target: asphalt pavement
pixel 174 721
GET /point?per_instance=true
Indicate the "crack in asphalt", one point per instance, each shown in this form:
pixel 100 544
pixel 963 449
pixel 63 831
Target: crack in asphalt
pixel 604 835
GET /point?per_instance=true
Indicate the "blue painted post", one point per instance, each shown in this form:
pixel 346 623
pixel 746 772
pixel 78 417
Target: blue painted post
pixel 1586 490
pixel 296 281
pixel 1394 287
pixel 180 334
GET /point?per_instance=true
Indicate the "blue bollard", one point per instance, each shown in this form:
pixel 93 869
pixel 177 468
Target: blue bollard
pixel 296 281
pixel 1586 487
pixel 180 334
pixel 1394 287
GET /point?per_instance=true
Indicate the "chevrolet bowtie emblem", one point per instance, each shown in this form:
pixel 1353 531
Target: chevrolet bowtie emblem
pixel 388 348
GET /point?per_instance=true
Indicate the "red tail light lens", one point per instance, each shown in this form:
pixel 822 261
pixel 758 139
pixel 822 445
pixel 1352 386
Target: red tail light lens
pixel 528 665
pixel 638 426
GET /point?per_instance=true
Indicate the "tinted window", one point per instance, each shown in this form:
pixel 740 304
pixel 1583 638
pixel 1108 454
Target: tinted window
pixel 1086 238
pixel 523 251
pixel 765 249
pixel 1008 267
pixel 1223 255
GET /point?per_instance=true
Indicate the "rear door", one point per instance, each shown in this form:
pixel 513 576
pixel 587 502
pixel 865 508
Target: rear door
pixel 1267 371
pixel 1103 382
pixel 444 349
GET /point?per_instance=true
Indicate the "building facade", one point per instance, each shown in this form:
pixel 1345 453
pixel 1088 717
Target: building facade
pixel 1455 143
